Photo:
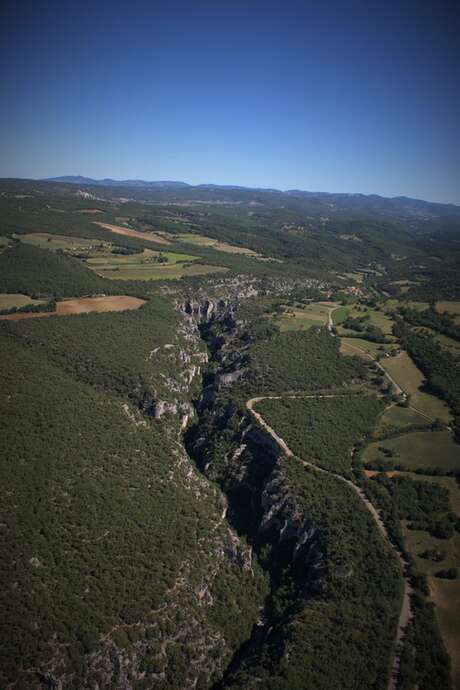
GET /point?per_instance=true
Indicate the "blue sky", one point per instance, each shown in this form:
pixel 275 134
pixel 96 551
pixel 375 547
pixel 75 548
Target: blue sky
pixel 330 96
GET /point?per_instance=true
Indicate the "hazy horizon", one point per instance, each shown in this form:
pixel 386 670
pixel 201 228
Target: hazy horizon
pixel 342 98
pixel 229 184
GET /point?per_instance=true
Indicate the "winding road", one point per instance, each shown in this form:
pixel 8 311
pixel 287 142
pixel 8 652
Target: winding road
pixel 405 613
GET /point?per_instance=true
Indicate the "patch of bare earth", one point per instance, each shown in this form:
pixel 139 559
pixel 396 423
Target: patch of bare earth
pixel 129 232
pixel 83 305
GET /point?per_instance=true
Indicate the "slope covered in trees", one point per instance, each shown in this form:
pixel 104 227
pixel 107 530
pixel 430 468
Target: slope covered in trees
pixel 324 431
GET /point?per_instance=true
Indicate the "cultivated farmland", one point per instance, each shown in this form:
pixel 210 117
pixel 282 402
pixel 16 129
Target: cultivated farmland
pixel 11 300
pixel 410 378
pixel 83 305
pixel 421 449
pixel 129 232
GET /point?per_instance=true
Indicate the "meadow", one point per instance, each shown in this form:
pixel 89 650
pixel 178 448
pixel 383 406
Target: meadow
pixel 218 245
pixel 363 348
pixel 10 300
pixel 301 318
pixel 159 272
pixel 452 307
pixel 421 449
pixel 410 378
pixel 373 316
pixel 397 417
pixel 52 242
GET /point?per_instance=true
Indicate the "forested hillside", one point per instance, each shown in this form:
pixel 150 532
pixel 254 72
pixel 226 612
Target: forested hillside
pixel 230 483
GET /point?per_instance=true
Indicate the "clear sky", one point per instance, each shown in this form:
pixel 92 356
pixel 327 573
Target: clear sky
pixel 321 95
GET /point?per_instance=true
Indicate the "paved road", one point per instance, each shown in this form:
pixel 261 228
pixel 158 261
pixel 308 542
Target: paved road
pixel 405 613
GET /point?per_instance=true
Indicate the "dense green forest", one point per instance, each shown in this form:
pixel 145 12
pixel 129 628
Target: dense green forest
pixel 431 318
pixel 441 367
pixel 96 535
pixel 324 431
pixel 341 635
pixel 35 271
pixel 111 351
pixel 301 361
pixel 424 661
pixel 153 532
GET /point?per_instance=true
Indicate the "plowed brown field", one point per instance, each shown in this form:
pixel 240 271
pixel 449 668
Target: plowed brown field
pixel 83 305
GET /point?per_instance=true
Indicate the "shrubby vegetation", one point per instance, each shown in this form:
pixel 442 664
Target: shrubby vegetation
pixel 341 635
pixel 441 367
pixel 431 318
pixel 107 528
pixel 365 330
pixel 325 431
pixel 109 351
pixel 34 308
pixel 102 521
pixel 301 361
pixel 30 270
pixel 424 662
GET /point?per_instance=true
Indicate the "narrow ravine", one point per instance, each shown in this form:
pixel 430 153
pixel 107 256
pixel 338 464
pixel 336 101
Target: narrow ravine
pixel 244 512
pixel 405 613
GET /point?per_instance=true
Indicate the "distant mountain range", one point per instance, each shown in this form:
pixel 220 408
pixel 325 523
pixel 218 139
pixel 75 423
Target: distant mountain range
pixel 109 182
pixel 371 203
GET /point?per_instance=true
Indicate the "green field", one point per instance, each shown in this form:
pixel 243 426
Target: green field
pixel 46 240
pixel 446 597
pixel 420 449
pixel 443 340
pixel 444 593
pixel 399 417
pixel 147 258
pixel 147 265
pixel 362 348
pixel 410 378
pixel 374 317
pixel 218 245
pixel 391 304
pixel 451 307
pixel 302 318
pixel 160 271
pixel 339 315
pixel 10 300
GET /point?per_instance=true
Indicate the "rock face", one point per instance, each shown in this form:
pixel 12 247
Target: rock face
pixel 245 461
pixel 208 603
